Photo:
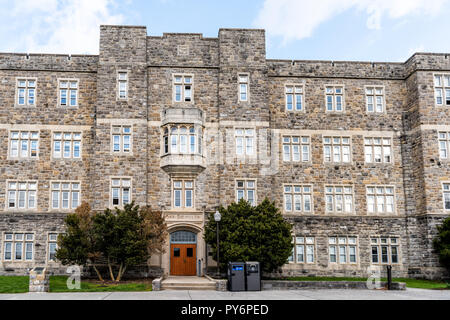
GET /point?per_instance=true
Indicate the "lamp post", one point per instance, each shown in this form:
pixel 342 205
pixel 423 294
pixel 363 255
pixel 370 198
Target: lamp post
pixel 218 217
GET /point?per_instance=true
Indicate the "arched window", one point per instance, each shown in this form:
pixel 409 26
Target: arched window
pixel 183 237
pixel 183 139
pixel 166 140
pixel 174 140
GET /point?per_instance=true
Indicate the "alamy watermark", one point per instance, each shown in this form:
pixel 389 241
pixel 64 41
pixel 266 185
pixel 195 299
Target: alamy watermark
pixel 74 280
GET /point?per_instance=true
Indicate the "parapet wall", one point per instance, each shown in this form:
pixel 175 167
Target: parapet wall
pixel 48 62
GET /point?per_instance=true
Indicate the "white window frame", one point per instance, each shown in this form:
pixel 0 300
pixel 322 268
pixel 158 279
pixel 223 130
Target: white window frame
pixel 69 90
pixel 332 91
pixel 296 91
pixel 183 189
pixel 70 190
pixel 369 142
pixel 444 87
pixel 334 193
pixel 245 136
pixel 171 136
pixel 339 242
pixel 246 83
pixel 445 191
pixel 446 141
pixel 121 188
pixel 26 239
pixel 246 188
pixel 27 89
pixel 301 141
pixel 183 84
pixel 120 131
pixel 374 94
pixel 333 144
pixel 389 244
pixel 377 192
pixel 120 81
pixel 20 139
pixel 75 136
pixel 306 242
pixel 17 190
pixel 297 191
pixel 51 241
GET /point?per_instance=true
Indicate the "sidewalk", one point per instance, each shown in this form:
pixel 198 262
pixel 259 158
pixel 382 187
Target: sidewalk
pixel 341 294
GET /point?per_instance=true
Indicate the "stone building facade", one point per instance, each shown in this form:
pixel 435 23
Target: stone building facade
pixel 355 154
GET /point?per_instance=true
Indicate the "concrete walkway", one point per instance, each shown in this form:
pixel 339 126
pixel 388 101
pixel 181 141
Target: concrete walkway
pixel 338 294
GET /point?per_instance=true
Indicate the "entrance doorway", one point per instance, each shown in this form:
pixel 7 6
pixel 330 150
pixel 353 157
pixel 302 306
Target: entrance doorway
pixel 183 253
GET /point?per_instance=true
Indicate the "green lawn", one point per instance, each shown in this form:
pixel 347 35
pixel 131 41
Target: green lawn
pixel 17 284
pixel 13 284
pixel 58 284
pixel 410 283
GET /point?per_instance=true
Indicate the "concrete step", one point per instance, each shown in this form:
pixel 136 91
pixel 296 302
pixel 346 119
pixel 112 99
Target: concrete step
pixel 185 283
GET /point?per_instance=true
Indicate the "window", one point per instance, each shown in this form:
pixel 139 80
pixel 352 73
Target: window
pixel 337 149
pixel 246 189
pixel 380 199
pixel 18 247
pixel 378 150
pixel 294 98
pixel 444 144
pixel 68 93
pixel 342 250
pixel 122 81
pixel 244 142
pixel 65 195
pixel 446 194
pixel 24 144
pixel 375 99
pixel 120 191
pixel 334 96
pixel 297 198
pixel 52 246
pixel 182 139
pixel 183 194
pixel 121 139
pixel 22 195
pixel 339 199
pixel 26 92
pixel 243 87
pixel 303 251
pixel 296 149
pixel 67 145
pixel 384 250
pixel 183 85
pixel 442 89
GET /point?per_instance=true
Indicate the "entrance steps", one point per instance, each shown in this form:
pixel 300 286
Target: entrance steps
pixel 187 283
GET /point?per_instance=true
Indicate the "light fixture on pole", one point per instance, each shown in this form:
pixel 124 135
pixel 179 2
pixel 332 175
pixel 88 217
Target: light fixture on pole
pixel 218 217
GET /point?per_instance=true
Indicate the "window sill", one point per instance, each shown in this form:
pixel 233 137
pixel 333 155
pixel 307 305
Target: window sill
pixel 22 159
pixel 25 106
pixel 66 159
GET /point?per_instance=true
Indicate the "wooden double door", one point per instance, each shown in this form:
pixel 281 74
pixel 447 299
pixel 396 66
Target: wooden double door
pixel 183 258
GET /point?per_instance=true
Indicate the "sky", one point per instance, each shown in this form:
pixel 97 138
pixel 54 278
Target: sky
pixel 358 30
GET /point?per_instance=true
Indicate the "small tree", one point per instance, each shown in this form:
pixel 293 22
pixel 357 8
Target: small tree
pixel 442 243
pixel 249 233
pixel 77 245
pixel 129 237
pixel 124 238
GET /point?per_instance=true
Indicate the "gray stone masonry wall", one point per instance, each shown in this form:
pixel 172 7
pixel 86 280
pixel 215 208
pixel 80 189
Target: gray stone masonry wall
pixel 411 119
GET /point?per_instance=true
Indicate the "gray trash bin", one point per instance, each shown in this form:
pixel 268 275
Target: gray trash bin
pixel 236 276
pixel 253 274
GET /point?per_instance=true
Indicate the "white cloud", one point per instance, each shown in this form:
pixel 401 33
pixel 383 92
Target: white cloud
pixel 297 19
pixel 61 26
